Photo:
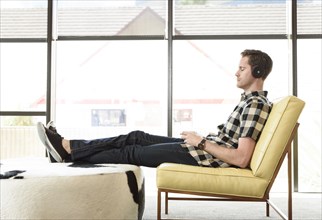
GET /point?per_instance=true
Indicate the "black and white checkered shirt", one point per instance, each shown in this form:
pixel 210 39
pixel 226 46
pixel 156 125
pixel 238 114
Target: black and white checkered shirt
pixel 247 120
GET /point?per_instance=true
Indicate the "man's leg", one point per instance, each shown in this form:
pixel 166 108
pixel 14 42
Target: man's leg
pixel 125 147
pixel 85 148
pixel 150 156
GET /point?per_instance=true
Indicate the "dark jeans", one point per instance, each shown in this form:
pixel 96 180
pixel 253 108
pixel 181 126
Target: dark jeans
pixel 137 147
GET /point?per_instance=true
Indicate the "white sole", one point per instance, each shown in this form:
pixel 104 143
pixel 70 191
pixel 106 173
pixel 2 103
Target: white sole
pixel 44 139
pixel 50 157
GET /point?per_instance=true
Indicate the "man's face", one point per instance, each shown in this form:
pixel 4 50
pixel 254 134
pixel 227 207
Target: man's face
pixel 244 75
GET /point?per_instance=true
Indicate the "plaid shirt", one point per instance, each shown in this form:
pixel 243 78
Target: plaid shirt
pixel 247 120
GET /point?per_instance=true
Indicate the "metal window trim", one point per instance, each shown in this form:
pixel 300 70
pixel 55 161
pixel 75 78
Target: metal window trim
pixel 232 37
pixel 23 40
pixel 99 38
pixel 49 58
pixel 22 113
pixel 294 89
pixel 161 37
pixel 309 36
pixel 170 67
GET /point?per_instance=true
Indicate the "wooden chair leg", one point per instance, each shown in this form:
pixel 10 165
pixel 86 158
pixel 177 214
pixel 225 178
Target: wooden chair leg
pixel 166 203
pixel 267 208
pixel 289 165
pixel 159 206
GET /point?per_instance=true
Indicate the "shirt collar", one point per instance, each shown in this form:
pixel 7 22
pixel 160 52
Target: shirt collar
pixel 248 94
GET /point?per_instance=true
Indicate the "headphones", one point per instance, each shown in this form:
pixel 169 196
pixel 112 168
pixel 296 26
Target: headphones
pixel 257 72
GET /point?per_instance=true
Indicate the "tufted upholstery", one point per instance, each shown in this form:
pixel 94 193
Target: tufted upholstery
pixel 253 183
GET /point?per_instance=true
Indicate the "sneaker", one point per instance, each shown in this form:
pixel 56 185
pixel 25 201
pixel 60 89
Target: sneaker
pixel 51 159
pixel 51 126
pixel 53 143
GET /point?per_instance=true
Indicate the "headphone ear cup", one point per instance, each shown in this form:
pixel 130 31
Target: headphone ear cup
pixel 257 72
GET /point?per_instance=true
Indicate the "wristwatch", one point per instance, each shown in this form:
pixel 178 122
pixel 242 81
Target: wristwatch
pixel 202 144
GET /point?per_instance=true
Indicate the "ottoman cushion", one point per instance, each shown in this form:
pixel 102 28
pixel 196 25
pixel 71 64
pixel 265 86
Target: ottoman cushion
pixel 36 189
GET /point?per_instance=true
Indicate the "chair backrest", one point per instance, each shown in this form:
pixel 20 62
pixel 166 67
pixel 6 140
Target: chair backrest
pixel 275 135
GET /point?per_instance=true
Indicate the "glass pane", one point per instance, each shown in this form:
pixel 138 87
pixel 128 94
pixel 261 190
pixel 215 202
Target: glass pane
pixel 23 19
pixel 19 137
pixel 309 15
pixel 309 89
pixel 111 18
pixel 227 17
pixel 108 88
pixel 205 89
pixel 23 74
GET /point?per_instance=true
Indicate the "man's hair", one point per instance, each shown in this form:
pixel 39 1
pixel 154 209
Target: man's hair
pixel 260 60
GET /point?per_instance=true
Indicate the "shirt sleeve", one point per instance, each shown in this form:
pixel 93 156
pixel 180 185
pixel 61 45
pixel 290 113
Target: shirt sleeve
pixel 253 119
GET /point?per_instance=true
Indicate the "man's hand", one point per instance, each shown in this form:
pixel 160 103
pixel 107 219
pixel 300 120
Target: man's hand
pixel 191 138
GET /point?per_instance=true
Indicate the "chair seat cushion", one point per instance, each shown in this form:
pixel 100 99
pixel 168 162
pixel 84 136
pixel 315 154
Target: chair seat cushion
pixel 219 181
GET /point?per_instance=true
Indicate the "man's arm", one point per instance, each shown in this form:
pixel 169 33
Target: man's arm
pixel 240 157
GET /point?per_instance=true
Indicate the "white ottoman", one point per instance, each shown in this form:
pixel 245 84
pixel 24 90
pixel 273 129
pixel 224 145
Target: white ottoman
pixel 70 191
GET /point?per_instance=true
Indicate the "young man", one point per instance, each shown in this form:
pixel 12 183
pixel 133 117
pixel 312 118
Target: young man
pixel 233 145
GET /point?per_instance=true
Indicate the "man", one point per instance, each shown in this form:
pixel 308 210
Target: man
pixel 233 145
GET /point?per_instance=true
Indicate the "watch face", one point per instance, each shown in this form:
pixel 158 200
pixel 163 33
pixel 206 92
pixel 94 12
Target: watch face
pixel 201 145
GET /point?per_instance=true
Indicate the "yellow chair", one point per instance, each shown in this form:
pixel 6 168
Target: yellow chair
pixel 236 184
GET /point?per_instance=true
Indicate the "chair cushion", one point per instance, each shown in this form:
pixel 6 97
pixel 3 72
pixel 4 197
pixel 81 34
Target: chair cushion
pixel 275 135
pixel 219 181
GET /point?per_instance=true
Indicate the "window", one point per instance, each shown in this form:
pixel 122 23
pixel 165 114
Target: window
pixel 228 17
pixel 93 75
pixel 19 137
pixel 309 17
pixel 23 19
pixel 111 64
pixel 21 62
pixel 205 82
pixel 309 89
pixel 111 18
